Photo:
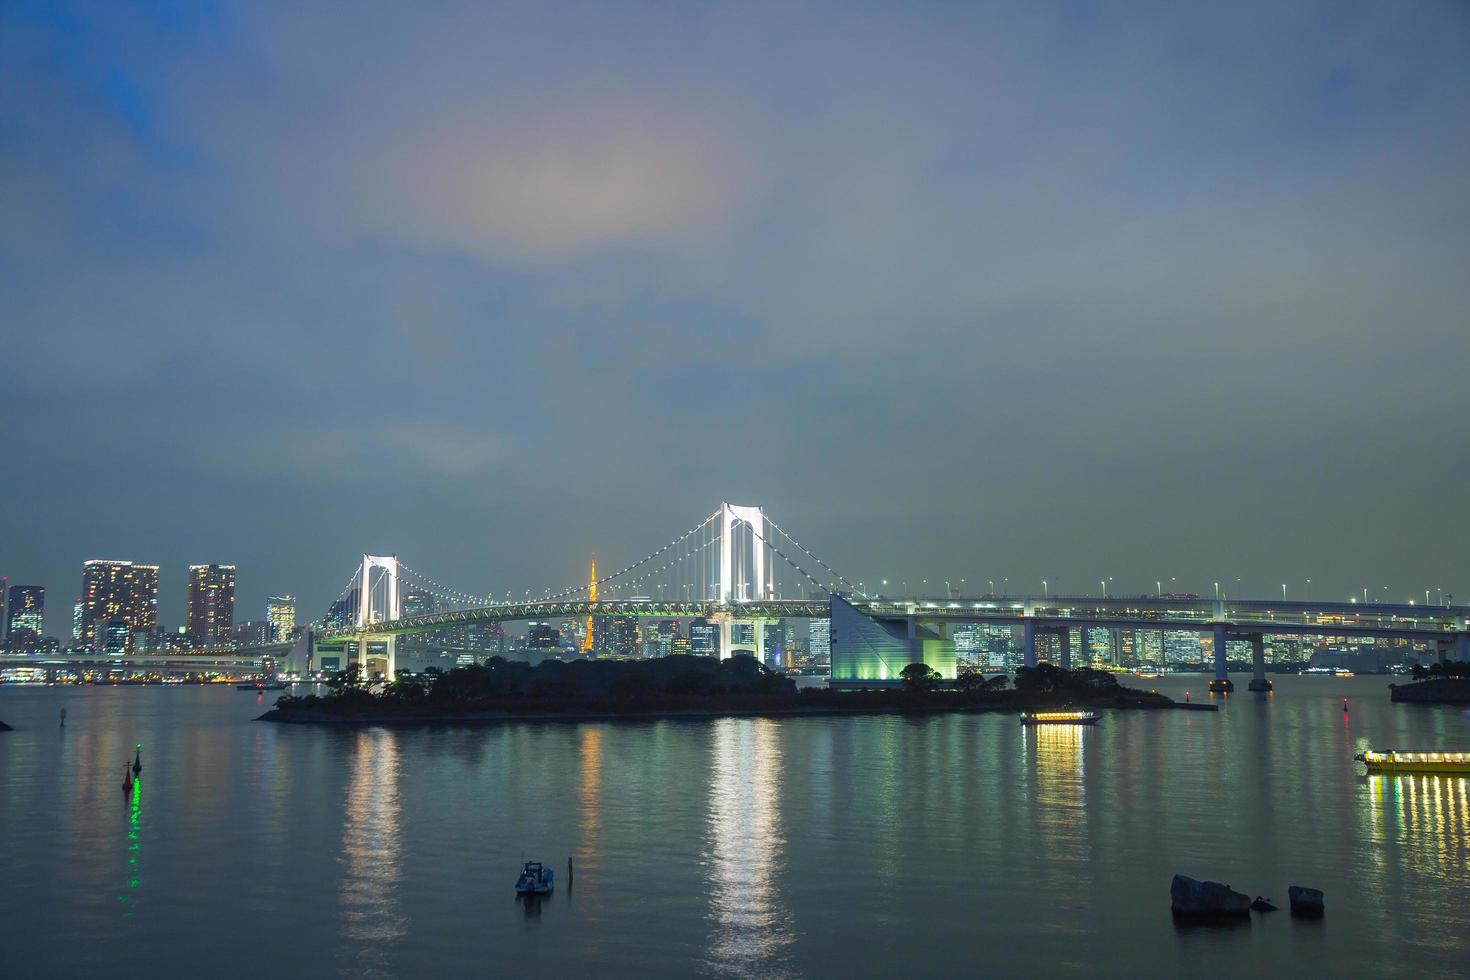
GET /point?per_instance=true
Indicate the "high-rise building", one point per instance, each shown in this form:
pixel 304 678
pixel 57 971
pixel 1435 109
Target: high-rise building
pixel 704 638
pixel 416 601
pixel 76 622
pixel 543 636
pixel 280 612
pixel 251 633
pixel 621 633
pixel 211 605
pixel 819 638
pixel 117 592
pixel 25 622
pixel 343 610
pixel 774 641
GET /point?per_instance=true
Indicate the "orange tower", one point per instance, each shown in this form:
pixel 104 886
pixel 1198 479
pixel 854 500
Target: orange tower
pixel 591 597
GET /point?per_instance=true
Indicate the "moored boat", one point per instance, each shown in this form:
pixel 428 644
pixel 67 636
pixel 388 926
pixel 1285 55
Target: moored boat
pixel 535 879
pixel 1060 718
pixel 1395 761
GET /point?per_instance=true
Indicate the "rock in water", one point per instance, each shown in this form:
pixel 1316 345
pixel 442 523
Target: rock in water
pixel 1190 897
pixel 1305 901
pixel 1262 904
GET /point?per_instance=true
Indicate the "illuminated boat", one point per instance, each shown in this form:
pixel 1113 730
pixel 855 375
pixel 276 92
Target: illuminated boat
pixel 1060 718
pixel 535 880
pixel 1394 761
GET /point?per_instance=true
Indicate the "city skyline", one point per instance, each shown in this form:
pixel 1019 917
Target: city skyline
pixel 1037 294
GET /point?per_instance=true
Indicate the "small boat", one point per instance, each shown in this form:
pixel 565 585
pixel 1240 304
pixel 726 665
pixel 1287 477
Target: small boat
pixel 535 879
pixel 1394 761
pixel 274 686
pixel 1060 718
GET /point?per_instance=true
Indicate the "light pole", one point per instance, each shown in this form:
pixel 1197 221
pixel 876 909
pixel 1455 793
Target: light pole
pixel 1283 591
pixel 1104 584
pixel 1217 591
pixel 1045 590
pixel 1158 588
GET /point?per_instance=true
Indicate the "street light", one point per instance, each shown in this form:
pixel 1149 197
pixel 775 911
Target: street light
pixel 1283 591
pixel 1045 590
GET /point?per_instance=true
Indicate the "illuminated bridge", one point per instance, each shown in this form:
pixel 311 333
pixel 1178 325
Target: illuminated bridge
pixel 733 567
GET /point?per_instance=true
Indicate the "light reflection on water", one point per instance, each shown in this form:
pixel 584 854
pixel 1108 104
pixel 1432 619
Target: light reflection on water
pixel 751 927
pixel 737 847
pixel 370 853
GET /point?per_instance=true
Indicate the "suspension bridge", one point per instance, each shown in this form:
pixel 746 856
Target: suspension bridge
pixel 738 568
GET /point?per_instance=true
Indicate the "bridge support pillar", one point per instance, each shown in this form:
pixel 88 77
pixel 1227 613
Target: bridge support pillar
pixel 1258 663
pixel 1065 658
pixel 1221 683
pixel 1028 630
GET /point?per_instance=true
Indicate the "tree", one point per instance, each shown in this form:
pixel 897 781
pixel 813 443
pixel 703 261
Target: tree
pixel 919 677
pixel 969 678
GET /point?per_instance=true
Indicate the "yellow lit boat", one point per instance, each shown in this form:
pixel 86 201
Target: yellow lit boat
pixel 1060 718
pixel 1394 761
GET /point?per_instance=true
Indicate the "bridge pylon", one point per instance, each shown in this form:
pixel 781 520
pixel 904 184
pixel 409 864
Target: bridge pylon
pixel 378 601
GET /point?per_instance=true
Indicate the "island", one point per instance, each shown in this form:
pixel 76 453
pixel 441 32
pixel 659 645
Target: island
pixel 1445 682
pixel 684 685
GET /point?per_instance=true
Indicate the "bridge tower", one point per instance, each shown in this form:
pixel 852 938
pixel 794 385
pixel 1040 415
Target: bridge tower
pixel 754 585
pixel 377 602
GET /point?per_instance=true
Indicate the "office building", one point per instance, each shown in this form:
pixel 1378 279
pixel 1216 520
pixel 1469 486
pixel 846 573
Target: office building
pixel 25 626
pixel 117 592
pixel 819 639
pixel 280 612
pixel 543 636
pixel 211 620
pixel 704 638
pixel 76 623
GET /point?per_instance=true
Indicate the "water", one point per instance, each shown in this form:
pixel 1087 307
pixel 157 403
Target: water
pixel 946 845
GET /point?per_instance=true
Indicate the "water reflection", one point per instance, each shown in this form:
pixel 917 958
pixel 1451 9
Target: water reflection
pixel 589 813
pixel 752 934
pixel 1429 813
pixel 134 802
pixel 370 916
pixel 1060 794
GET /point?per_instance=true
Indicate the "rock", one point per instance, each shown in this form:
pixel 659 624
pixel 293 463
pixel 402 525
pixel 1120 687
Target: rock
pixel 1305 901
pixel 1190 897
pixel 1262 905
pixel 5 728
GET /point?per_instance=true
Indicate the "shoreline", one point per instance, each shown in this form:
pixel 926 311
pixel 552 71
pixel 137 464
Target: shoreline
pixel 308 716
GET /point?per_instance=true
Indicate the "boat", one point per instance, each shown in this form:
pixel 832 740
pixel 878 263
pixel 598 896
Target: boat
pixel 274 686
pixel 1060 718
pixel 535 879
pixel 1396 761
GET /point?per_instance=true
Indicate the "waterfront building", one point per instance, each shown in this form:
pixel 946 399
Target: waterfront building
pixel 280 612
pixel 76 622
pixel 211 618
pixel 25 615
pixel 117 592
pixel 865 651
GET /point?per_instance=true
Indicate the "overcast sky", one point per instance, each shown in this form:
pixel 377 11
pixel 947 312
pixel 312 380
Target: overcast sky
pixel 979 291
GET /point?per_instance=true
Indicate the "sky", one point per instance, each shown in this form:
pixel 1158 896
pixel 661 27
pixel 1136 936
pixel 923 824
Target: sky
pixel 1000 292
